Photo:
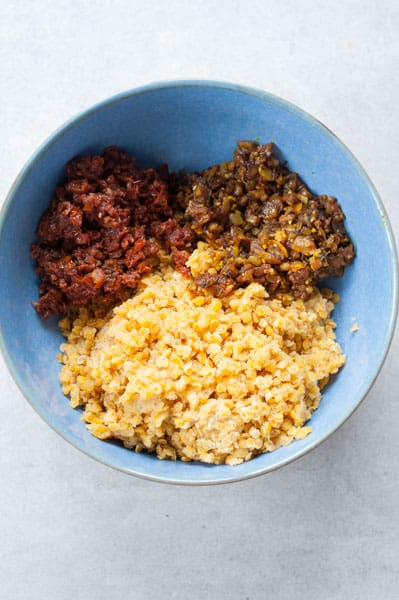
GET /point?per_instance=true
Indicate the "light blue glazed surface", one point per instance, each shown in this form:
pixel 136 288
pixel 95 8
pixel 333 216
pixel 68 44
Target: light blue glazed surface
pixel 192 125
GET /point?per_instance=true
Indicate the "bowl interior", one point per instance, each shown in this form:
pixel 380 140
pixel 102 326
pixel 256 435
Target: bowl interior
pixel 193 125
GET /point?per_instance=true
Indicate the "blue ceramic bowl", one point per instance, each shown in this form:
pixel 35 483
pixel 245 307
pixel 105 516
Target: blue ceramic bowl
pixel 193 124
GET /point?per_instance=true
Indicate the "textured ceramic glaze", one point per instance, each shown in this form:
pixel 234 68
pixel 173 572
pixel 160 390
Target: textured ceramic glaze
pixel 192 125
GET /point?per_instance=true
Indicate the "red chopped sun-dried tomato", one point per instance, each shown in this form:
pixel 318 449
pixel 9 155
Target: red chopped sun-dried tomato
pixel 103 231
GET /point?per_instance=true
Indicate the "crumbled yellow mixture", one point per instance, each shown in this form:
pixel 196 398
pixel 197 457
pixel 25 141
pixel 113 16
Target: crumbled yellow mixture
pixel 180 373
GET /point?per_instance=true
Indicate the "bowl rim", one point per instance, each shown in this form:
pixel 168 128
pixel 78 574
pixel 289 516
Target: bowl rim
pixel 262 95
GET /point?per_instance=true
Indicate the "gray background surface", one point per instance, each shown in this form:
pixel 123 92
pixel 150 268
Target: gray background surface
pixel 325 527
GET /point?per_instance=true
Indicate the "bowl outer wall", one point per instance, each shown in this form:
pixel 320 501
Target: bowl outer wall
pixel 176 122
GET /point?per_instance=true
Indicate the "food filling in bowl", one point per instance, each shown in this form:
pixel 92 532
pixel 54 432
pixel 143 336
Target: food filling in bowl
pixel 195 328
